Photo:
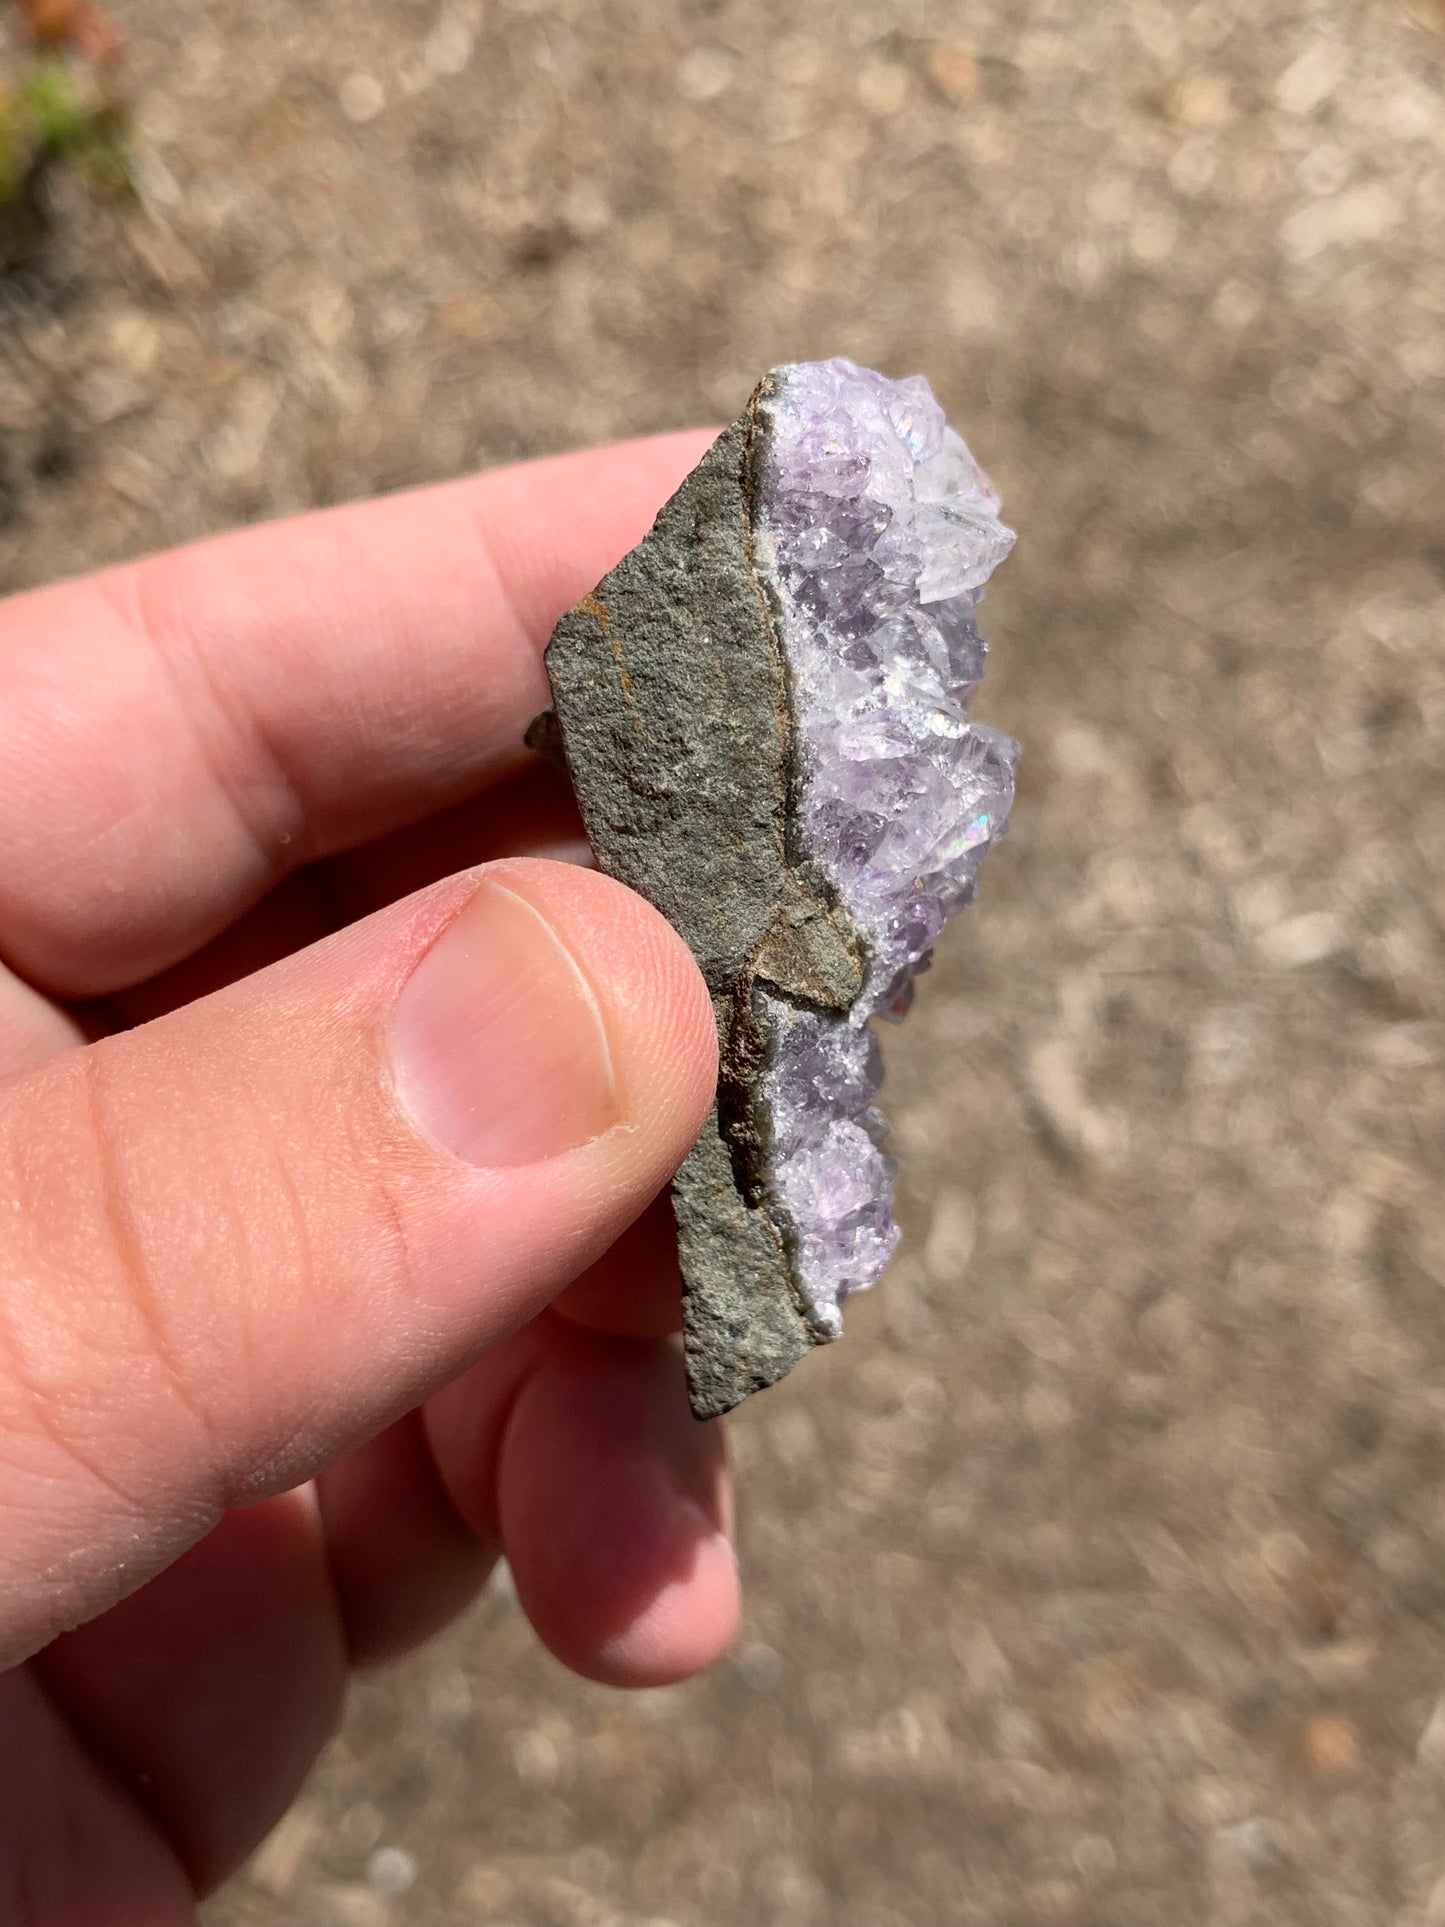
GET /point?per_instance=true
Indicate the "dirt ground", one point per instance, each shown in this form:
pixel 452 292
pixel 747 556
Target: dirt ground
pixel 1098 1578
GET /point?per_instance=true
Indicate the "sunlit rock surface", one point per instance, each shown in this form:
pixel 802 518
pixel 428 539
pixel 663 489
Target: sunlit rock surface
pixel 764 708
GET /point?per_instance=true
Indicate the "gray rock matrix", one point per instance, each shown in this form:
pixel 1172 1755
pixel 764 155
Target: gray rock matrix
pixel 669 686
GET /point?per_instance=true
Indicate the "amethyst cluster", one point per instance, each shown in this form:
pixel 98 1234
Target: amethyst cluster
pixel 764 711
pixel 876 533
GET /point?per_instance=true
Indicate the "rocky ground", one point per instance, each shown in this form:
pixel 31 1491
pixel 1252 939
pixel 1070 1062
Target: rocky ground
pixel 1099 1576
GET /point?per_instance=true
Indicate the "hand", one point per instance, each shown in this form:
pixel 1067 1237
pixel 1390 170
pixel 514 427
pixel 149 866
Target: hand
pixel 309 1110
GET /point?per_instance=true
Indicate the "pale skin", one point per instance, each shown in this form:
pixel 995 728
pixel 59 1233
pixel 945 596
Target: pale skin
pixel 334 1113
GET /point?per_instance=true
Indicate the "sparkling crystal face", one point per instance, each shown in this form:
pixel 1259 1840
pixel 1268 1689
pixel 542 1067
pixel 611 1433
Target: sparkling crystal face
pixel 877 533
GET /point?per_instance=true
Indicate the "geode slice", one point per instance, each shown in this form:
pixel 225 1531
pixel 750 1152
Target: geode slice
pixel 764 708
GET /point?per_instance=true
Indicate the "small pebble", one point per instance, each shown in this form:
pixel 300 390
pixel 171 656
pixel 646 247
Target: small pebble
pixel 362 98
pixel 705 73
pixel 391 1870
pixel 760 1668
pixel 1332 1745
pixel 448 47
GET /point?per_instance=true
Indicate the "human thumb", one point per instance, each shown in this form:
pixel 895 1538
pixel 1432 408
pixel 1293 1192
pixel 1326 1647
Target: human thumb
pixel 238 1240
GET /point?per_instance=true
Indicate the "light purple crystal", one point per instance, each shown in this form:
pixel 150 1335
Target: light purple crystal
pixel 877 533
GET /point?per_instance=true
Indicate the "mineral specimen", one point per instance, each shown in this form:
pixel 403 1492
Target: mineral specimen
pixel 765 711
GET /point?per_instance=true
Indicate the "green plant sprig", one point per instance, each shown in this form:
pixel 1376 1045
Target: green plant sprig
pixel 48 117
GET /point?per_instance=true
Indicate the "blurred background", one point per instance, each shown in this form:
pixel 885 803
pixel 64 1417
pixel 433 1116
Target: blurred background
pixel 1098 1578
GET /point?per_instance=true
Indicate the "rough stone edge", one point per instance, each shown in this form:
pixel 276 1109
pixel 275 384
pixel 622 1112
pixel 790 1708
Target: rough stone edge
pixel 745 1321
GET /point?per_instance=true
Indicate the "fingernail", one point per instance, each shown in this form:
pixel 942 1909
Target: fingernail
pixel 500 1050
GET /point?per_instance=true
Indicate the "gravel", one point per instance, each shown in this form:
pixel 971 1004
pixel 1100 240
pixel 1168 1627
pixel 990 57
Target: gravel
pixel 1097 1576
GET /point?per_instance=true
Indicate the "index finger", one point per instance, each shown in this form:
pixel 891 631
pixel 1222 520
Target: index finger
pixel 179 733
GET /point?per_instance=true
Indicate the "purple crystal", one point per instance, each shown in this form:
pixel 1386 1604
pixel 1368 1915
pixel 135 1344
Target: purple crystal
pixel 877 533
